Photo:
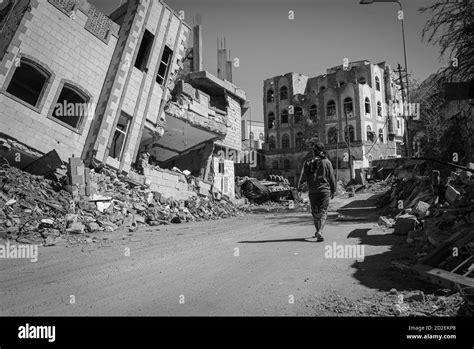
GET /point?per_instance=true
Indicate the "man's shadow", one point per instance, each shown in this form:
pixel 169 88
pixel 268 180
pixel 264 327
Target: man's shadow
pixel 308 239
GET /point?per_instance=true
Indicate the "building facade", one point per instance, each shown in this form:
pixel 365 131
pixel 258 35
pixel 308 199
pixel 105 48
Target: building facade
pixel 253 134
pixel 358 104
pixel 109 88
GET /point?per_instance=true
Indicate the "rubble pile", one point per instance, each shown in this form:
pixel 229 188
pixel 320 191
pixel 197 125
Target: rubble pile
pixel 396 303
pixel 37 210
pixel 425 212
pixel 31 207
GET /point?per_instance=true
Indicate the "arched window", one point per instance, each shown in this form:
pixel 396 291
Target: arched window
pixel 261 136
pixel 271 142
pixel 380 135
pixel 351 133
pixel 271 120
pixel 286 164
pixel 251 136
pixel 270 96
pixel 299 140
pixel 71 107
pixel 331 109
pixel 381 157
pixel 332 135
pixel 348 105
pixel 285 141
pixel 370 159
pixel 379 109
pixel 370 134
pixel 283 93
pixel 29 82
pixel 313 112
pixel 298 115
pixel 275 165
pixel 284 116
pixel 367 105
pixel 377 83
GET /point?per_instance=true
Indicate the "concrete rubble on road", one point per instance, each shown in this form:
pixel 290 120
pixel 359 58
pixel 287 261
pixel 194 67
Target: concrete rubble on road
pixel 436 214
pixel 440 303
pixel 34 209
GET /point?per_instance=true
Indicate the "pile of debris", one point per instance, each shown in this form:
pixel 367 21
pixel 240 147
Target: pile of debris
pixel 437 215
pixel 38 210
pixel 395 303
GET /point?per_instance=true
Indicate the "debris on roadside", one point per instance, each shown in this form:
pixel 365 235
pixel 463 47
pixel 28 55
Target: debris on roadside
pixel 34 209
pixel 395 303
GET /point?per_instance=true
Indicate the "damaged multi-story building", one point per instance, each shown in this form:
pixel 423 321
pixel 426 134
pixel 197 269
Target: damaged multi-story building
pixel 105 89
pixel 358 103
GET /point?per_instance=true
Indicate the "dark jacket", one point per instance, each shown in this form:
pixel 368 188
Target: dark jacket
pixel 319 175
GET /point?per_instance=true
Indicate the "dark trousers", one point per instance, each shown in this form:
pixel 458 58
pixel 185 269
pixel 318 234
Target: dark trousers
pixel 319 209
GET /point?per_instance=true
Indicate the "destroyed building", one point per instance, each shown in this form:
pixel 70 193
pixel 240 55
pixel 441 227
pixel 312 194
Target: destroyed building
pixel 297 107
pixel 105 89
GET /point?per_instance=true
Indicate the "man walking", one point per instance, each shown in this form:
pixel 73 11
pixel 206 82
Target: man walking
pixel 318 173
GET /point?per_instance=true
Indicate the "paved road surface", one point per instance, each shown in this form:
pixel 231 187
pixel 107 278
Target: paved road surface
pixel 259 264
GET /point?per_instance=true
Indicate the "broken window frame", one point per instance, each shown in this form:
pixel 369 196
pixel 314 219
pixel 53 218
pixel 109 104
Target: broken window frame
pixel 299 140
pixel 144 52
pixel 377 83
pixel 331 109
pixel 271 143
pixel 285 141
pixel 379 109
pixel 367 105
pixel 271 120
pixel 351 133
pixel 81 93
pixel 313 112
pixel 41 69
pixel 348 105
pixel 298 115
pixel 284 116
pixel 164 64
pixel 283 93
pixel 124 133
pixel 333 137
pixel 270 96
pixel 369 134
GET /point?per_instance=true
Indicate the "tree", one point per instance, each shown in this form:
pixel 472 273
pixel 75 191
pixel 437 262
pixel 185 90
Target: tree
pixel 452 28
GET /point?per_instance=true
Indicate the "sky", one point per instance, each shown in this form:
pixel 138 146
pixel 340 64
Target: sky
pixel 323 32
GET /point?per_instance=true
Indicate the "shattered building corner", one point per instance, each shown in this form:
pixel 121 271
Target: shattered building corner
pixel 118 91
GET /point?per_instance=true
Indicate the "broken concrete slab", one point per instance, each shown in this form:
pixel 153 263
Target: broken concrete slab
pixel 452 194
pixel 421 208
pixel 404 224
pixel 386 222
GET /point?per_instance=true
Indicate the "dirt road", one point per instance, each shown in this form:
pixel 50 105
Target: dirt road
pixel 260 264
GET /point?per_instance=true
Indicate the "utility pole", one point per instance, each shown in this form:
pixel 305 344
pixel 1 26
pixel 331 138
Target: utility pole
pixel 348 141
pixel 337 153
pixel 405 134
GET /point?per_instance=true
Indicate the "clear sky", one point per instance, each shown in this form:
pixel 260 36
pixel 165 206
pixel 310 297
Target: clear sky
pixel 323 32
